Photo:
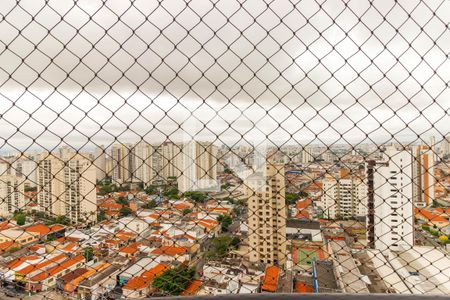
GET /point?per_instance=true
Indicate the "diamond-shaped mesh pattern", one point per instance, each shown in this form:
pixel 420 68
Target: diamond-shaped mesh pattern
pixel 165 148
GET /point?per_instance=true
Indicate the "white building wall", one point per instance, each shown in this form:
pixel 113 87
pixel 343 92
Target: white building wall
pixel 393 204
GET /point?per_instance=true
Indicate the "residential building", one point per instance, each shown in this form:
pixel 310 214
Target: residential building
pixel 390 220
pixel 28 169
pixel 12 196
pixel 198 167
pixel 423 174
pixel 142 154
pixel 121 166
pixel 445 147
pixel 344 196
pixel 18 236
pixel 67 188
pixel 100 162
pixel 307 156
pixel 265 191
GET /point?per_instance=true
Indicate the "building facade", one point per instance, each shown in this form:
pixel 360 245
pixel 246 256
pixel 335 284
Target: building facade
pixel 344 197
pixel 267 215
pixel 390 220
pixel 11 194
pixel 198 167
pixel 67 188
pixel 423 174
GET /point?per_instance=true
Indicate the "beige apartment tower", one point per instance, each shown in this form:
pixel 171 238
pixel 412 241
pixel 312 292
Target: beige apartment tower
pixel 198 167
pixel 11 194
pixel 423 176
pixel 265 191
pixel 67 188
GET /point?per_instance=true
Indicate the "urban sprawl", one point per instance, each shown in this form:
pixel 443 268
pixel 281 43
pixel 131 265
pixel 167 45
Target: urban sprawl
pixel 137 220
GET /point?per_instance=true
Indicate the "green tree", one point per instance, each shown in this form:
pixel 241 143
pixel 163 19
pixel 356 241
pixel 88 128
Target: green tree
pixel 225 222
pixel 122 200
pixel 88 253
pixel 125 211
pixel 172 193
pixel 151 190
pixel 186 211
pixel 150 204
pixel 101 216
pixel 221 245
pixel 20 219
pixel 196 196
pixel 174 281
pixel 291 198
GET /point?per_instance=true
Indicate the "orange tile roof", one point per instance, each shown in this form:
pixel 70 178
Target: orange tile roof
pixel 130 249
pixel 74 284
pixel 70 247
pixel 443 210
pixel 18 261
pixel 36 247
pixel 301 287
pixel 58 268
pixel 192 288
pixel 56 227
pixel 181 206
pixel 146 278
pixel 303 214
pixel 31 268
pixel 5 225
pixel 430 216
pixel 170 250
pixel 6 245
pixel 303 204
pixel 110 206
pixel 39 228
pixel 270 282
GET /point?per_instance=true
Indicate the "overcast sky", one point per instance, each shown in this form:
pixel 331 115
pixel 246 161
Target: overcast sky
pixel 288 71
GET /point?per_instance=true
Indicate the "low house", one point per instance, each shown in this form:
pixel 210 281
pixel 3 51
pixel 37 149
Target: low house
pixel 192 288
pixel 271 279
pixel 18 236
pixel 99 283
pixel 66 283
pixel 136 269
pixel 431 218
pixel 53 231
pixel 47 278
pixel 138 287
pixel 303 230
pixel 171 254
pixel 8 246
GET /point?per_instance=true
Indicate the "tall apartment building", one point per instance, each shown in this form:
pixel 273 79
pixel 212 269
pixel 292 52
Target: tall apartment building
pixel 166 162
pixel 198 167
pixel 390 220
pixel 67 188
pixel 445 147
pixel 28 169
pixel 121 167
pixel 142 165
pixel 100 162
pixel 344 196
pixel 11 194
pixel 423 174
pixel 265 191
pixel 307 156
